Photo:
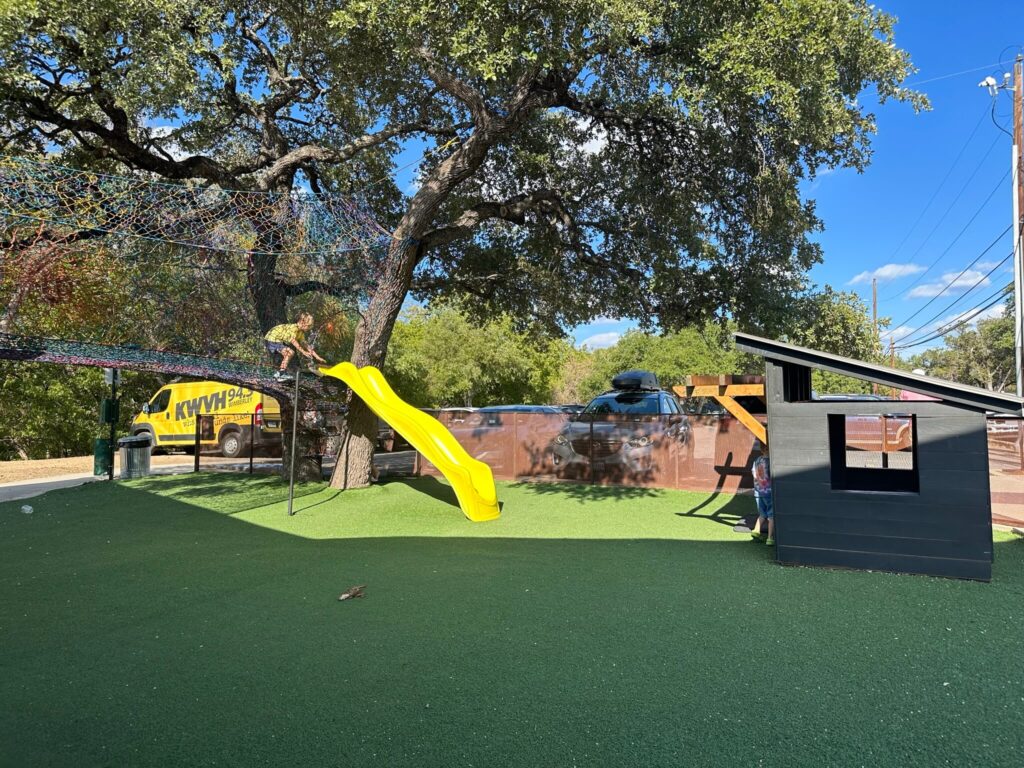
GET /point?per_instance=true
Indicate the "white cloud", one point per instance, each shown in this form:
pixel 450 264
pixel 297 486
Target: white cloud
pixel 171 147
pixel 988 314
pixel 600 340
pixel 598 136
pixel 888 272
pixel 954 280
pixel 605 320
pixel 596 143
pixel 896 333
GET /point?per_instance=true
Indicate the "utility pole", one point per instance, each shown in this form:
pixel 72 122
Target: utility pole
pixel 874 323
pixel 892 364
pixel 1018 210
pixel 1018 246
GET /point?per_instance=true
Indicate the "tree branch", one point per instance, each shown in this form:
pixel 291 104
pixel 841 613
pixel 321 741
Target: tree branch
pixel 515 209
pixel 310 153
pixel 311 286
pixel 455 86
pixel 131 153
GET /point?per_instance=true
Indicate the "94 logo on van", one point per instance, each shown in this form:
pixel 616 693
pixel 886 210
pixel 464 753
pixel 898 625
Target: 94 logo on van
pixel 215 401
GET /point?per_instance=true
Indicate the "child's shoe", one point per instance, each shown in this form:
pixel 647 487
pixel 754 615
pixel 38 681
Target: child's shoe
pixel 770 542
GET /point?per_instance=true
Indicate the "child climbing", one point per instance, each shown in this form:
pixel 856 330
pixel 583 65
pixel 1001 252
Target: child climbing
pixel 288 338
pixel 763 496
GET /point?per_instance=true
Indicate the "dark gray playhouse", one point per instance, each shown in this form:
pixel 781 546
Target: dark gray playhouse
pixel 894 485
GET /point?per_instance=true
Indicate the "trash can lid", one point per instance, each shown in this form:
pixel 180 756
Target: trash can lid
pixel 138 441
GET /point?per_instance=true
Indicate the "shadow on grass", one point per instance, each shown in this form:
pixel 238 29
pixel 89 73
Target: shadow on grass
pixel 584 492
pixel 232 493
pixel 735 511
pixel 145 574
pixel 433 488
pixel 428 485
pixel 164 597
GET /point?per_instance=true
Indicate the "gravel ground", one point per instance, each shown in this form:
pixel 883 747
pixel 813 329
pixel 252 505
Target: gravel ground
pixel 40 469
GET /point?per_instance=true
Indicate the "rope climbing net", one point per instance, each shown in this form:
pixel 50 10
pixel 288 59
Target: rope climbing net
pixel 196 216
pixel 181 258
pixel 315 392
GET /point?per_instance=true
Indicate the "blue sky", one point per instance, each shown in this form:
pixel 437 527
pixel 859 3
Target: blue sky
pixel 913 206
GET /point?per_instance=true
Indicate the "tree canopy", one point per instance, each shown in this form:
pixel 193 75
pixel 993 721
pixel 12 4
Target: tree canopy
pixel 439 358
pixel 586 157
pixel 982 356
pixel 639 158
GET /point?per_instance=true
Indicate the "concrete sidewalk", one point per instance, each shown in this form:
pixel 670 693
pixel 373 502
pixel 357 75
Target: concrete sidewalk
pixel 26 489
pixel 388 464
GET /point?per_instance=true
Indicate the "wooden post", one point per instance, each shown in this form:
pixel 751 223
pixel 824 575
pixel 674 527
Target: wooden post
pixel 199 423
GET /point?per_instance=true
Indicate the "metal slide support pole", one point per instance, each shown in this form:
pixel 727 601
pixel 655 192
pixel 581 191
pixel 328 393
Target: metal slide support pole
pixel 199 422
pixel 295 424
pixel 252 439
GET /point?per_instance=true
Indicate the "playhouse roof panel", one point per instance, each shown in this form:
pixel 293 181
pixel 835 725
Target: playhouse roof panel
pixel 974 397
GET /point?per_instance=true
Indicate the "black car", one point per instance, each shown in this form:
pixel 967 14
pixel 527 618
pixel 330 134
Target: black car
pixel 605 434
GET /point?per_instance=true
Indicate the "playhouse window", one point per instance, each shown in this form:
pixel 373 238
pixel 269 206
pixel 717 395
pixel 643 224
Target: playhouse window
pixel 873 452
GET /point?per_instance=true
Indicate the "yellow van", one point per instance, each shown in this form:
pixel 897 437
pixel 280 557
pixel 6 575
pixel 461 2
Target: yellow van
pixel 169 418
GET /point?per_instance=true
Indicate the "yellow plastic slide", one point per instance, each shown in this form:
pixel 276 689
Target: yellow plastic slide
pixel 471 479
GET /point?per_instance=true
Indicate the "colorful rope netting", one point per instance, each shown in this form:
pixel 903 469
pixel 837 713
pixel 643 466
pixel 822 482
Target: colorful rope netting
pixel 313 391
pixel 203 217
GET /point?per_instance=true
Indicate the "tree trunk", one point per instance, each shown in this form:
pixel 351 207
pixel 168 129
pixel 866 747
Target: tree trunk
pixel 359 432
pixel 268 294
pixel 359 435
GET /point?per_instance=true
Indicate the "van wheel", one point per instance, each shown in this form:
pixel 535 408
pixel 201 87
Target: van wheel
pixel 231 445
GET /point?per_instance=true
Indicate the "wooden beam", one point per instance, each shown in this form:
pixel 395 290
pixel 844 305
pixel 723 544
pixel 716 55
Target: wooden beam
pixel 714 390
pixel 744 417
pixel 724 389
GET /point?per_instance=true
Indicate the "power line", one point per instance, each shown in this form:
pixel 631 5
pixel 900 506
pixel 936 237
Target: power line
pixel 953 281
pixel 957 300
pixel 941 184
pixel 959 234
pixel 997 297
pixel 953 74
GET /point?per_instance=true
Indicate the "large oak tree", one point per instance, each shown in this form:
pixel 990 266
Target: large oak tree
pixel 587 157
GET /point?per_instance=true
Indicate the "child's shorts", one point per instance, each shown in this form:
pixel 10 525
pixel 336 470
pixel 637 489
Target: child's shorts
pixel 274 347
pixel 764 507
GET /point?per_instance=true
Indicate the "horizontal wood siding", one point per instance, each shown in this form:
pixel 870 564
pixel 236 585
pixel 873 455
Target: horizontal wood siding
pixel 944 529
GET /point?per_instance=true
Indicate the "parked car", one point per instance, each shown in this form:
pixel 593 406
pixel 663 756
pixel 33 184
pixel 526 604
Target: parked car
pixel 703 406
pixel 388 440
pixel 497 415
pixel 848 397
pixel 604 435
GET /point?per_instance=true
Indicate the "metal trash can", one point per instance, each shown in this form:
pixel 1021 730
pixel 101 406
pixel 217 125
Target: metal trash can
pixel 134 456
pixel 100 456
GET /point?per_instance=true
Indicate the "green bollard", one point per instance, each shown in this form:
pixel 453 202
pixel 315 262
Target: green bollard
pixel 100 456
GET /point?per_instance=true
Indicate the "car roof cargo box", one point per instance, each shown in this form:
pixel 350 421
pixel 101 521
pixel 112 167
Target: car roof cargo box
pixel 636 380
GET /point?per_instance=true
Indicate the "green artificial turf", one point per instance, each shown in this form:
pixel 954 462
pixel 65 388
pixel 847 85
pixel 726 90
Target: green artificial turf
pixel 189 621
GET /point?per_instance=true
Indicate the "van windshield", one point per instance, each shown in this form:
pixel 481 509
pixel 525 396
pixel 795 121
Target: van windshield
pixel 159 403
